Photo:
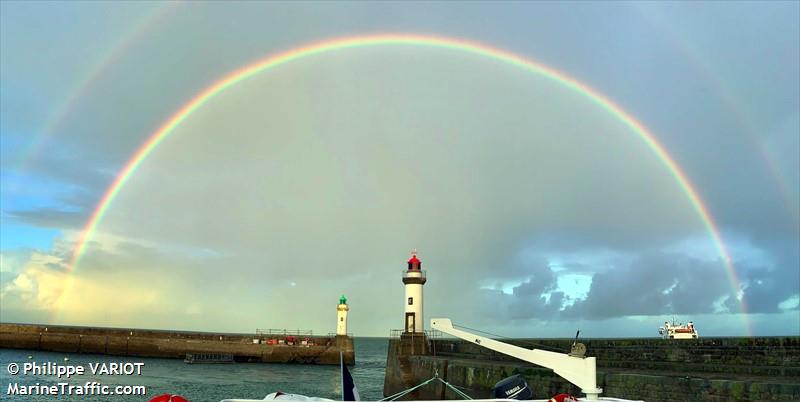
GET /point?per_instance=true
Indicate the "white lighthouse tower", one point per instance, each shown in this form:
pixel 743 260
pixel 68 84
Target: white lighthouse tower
pixel 414 278
pixel 341 316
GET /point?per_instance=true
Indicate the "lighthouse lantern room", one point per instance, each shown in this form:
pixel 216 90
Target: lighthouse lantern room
pixel 413 278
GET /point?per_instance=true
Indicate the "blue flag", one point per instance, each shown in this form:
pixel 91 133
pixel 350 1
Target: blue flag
pixel 349 390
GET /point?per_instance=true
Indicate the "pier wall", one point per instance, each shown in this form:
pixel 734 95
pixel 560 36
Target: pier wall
pixel 707 369
pixel 172 344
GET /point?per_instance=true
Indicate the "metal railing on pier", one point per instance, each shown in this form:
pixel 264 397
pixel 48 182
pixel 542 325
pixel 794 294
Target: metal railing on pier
pixel 430 333
pixel 275 331
pixel 420 342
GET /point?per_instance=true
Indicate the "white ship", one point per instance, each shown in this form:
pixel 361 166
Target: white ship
pixel 676 330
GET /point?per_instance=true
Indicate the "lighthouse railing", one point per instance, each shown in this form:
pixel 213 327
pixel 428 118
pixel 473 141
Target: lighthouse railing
pixel 414 273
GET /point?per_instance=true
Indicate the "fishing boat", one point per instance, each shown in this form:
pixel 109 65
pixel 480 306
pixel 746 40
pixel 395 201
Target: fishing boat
pixel 574 367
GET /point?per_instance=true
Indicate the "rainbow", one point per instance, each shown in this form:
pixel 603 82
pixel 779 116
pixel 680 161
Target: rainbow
pixel 738 111
pixel 332 45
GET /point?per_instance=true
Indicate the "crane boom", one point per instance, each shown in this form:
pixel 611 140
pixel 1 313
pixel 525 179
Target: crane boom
pixel 581 371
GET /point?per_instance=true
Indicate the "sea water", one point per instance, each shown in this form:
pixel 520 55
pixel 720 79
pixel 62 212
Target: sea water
pixel 197 382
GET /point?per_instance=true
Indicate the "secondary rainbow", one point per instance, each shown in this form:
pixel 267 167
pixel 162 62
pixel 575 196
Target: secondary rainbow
pixel 84 86
pixel 268 63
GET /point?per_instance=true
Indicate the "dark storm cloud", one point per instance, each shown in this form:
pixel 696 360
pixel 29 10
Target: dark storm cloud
pixel 654 284
pixel 528 299
pixel 535 306
pixel 49 218
pixel 767 286
pixel 74 185
pixel 84 174
pixel 535 285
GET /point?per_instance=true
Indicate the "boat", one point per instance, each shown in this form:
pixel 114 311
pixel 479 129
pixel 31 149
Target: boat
pixel 574 367
pixel 208 358
pixel 676 330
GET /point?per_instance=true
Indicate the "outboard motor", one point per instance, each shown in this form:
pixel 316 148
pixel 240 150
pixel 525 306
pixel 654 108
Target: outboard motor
pixel 514 387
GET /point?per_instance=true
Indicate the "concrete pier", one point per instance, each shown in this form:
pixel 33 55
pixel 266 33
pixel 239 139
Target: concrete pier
pixel 174 344
pixel 706 369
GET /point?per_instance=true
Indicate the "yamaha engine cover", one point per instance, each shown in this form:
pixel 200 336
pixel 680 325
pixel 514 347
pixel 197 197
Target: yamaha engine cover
pixel 514 387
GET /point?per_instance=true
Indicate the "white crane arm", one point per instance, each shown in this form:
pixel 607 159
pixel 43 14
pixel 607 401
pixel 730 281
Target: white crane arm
pixel 581 371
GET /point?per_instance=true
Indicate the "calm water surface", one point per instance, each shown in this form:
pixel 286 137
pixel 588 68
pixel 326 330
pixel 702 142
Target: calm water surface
pixel 207 382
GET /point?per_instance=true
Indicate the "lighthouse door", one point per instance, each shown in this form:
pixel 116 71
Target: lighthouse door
pixel 410 327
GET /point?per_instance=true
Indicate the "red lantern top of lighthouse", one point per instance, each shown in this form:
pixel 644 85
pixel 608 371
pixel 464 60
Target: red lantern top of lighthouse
pixel 414 264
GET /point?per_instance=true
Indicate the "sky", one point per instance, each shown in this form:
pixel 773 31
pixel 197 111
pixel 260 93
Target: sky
pixel 536 210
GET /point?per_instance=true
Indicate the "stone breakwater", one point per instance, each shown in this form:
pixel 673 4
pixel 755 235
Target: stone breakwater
pixel 707 369
pixel 174 344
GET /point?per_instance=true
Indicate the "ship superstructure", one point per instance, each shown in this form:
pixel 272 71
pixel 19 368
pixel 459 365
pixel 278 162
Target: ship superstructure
pixel 676 330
